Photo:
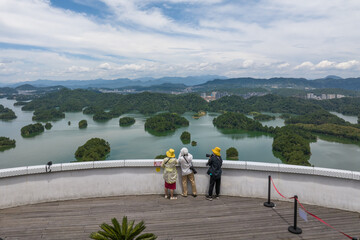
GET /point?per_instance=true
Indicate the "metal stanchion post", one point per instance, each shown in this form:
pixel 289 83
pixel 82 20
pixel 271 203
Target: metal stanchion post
pixel 294 229
pixel 268 203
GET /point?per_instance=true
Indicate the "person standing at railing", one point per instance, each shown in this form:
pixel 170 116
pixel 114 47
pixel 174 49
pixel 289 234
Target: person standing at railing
pixel 185 161
pixel 214 163
pixel 170 173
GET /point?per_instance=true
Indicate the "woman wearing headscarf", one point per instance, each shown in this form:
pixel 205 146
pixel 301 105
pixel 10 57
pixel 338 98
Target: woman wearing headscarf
pixel 185 161
pixel 170 173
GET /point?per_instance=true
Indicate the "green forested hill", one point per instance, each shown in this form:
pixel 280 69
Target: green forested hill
pixel 267 103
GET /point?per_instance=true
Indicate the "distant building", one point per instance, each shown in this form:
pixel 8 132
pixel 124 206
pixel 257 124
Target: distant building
pixel 203 95
pixel 339 96
pixel 331 96
pixel 310 96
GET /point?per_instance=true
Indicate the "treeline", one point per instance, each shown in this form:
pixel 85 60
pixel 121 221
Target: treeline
pixel 6 113
pixel 347 106
pixel 347 132
pixel 107 106
pixel 317 118
pixel 267 103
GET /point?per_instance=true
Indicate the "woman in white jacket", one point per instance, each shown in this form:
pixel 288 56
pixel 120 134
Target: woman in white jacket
pixel 185 161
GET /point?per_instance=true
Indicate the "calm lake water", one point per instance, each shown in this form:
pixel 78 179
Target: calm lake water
pixel 60 143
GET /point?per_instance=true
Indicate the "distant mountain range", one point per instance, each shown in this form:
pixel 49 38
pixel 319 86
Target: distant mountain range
pixel 197 83
pixel 120 82
pixel 297 83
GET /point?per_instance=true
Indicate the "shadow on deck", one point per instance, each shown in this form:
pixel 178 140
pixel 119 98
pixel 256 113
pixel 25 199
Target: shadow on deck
pixel 184 218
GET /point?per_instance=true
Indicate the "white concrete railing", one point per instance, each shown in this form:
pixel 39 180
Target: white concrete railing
pixel 318 186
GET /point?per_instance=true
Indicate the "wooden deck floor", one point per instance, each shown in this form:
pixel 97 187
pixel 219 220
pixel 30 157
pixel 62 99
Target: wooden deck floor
pixel 185 218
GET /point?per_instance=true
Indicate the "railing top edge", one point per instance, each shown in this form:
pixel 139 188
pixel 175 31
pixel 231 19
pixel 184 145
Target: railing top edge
pixel 241 165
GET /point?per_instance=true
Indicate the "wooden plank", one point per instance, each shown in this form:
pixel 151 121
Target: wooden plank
pixel 185 218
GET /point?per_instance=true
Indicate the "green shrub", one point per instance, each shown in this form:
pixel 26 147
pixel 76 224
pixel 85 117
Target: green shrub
pixel 232 154
pixel 83 124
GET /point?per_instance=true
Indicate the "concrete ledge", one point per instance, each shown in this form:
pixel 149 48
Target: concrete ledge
pixel 234 165
pixel 295 169
pixel 259 166
pixel 333 173
pixel 140 163
pixel 11 172
pixel 77 166
pixel 109 164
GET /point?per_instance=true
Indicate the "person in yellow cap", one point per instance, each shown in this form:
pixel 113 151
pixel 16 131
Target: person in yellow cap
pixel 170 173
pixel 214 163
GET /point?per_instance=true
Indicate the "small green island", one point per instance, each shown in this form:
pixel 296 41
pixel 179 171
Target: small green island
pixel 126 121
pixel 32 130
pixel 6 143
pixel 232 154
pixel 185 137
pixel 95 149
pixel 48 126
pixel 193 143
pixel 6 113
pixel 199 114
pixel 102 116
pixel 44 115
pixel 165 122
pixel 232 120
pixel 263 117
pixel 20 103
pixel 83 124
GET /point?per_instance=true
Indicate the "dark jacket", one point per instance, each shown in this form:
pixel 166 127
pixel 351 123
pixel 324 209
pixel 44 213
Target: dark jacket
pixel 215 163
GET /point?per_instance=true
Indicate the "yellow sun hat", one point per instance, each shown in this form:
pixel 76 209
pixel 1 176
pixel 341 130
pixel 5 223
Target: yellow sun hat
pixel 216 151
pixel 170 153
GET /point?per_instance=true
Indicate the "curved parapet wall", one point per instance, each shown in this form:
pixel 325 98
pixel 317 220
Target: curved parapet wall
pixel 318 186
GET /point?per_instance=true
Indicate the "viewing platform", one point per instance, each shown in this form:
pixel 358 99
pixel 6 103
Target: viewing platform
pixel 73 199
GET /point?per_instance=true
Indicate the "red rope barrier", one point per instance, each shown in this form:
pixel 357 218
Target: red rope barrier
pixel 313 215
pixel 278 190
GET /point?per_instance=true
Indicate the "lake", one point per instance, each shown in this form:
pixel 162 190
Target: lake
pixel 60 143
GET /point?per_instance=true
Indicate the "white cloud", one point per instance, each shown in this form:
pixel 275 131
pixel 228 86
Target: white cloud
pixel 305 65
pixel 347 65
pixel 325 64
pixel 283 65
pixel 105 66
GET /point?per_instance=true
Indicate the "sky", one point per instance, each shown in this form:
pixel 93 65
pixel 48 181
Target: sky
pixel 109 39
